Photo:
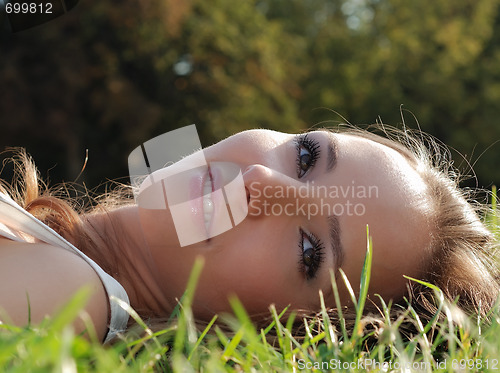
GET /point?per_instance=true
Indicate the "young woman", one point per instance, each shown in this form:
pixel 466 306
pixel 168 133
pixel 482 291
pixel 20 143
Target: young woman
pixel 421 223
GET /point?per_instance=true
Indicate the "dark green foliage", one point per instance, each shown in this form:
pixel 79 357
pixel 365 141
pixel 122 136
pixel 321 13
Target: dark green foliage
pixel 106 77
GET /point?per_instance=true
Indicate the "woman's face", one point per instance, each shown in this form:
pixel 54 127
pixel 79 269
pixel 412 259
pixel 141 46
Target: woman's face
pixel 310 198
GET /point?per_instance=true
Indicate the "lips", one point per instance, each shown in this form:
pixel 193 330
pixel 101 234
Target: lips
pixel 204 201
pixel 208 203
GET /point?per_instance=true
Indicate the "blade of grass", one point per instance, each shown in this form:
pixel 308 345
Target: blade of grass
pixel 230 352
pixel 202 335
pixel 327 324
pixel 273 322
pixel 338 305
pixel 365 283
pixel 349 288
pixel 277 325
pixel 186 323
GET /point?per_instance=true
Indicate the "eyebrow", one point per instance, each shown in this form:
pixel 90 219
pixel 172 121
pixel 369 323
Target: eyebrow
pixel 331 156
pixel 332 220
pixel 336 246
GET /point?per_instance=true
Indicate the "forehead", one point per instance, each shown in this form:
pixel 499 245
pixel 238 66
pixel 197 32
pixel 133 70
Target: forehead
pixel 369 159
pixel 397 215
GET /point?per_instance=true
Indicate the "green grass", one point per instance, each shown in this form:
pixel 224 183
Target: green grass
pixel 459 345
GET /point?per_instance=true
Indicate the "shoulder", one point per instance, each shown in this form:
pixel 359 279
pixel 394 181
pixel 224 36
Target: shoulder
pixel 49 276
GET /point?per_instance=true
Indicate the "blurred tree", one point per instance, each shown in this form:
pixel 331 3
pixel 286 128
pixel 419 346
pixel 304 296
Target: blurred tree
pixel 108 77
pixel 438 65
pixel 439 59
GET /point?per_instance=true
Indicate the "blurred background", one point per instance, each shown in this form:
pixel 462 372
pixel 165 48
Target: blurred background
pixel 108 76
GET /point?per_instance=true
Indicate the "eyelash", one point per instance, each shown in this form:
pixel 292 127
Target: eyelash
pixel 303 142
pixel 317 256
pixel 311 148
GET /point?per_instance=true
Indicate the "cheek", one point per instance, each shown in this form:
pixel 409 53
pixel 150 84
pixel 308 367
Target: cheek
pixel 241 264
pixel 256 274
pixel 156 226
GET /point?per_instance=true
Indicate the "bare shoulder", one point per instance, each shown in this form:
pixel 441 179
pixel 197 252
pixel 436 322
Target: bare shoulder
pixel 49 276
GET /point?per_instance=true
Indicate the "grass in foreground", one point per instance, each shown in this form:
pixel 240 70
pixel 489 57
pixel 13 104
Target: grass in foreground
pixel 461 344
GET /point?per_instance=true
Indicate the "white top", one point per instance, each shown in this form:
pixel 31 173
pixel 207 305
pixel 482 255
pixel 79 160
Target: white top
pixel 14 219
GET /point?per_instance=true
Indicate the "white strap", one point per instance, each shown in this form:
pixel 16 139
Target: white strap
pixel 8 233
pixel 12 215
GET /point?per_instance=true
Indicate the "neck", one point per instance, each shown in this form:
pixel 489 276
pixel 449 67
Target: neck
pixel 117 234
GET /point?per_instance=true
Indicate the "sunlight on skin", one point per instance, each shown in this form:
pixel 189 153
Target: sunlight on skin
pixel 262 259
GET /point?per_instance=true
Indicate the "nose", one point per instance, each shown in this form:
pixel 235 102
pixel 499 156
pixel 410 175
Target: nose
pixel 269 191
